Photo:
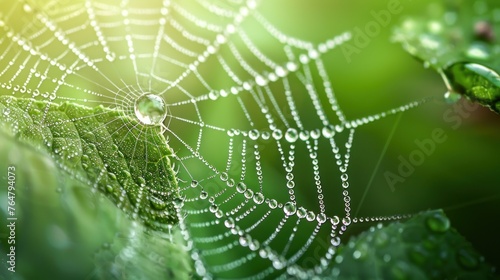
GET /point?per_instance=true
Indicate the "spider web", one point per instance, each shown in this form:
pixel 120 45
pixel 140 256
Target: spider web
pixel 250 111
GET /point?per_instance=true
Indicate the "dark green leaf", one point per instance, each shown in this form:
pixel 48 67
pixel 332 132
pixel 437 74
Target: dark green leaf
pixel 66 231
pixel 104 149
pixel 424 247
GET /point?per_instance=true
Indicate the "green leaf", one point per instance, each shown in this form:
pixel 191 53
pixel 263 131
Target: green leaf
pixel 64 230
pixel 106 150
pixel 424 247
pixel 460 40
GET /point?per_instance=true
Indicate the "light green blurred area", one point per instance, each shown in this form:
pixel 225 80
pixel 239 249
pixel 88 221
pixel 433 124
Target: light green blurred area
pixel 460 175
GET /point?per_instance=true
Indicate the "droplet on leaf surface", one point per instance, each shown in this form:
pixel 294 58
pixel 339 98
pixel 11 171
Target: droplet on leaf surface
pixel 150 109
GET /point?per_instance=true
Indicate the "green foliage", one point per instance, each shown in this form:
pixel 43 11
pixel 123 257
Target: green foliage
pixel 424 247
pixel 459 39
pixel 67 230
pixel 106 150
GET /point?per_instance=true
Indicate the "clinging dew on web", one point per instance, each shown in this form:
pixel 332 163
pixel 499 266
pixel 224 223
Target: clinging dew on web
pixel 245 109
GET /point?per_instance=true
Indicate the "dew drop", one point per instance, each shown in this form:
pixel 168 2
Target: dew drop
pixel 254 134
pixel 241 187
pixel 150 109
pixel 289 208
pixel 258 198
pixel 335 241
pixel 273 203
pixel 248 194
pixel 203 195
pixel 438 222
pixel 310 216
pixel 194 184
pixel 109 188
pixel 321 218
pixel 157 203
pixel 344 177
pixel 277 134
pixel 229 223
pixel 301 212
pixel 291 135
pixel 219 214
pixel 178 202
pixel 224 176
pixel 213 208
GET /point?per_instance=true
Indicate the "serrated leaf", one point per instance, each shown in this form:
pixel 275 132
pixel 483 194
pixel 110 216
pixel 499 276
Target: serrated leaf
pixel 424 247
pixel 104 149
pixel 66 231
pixel 460 40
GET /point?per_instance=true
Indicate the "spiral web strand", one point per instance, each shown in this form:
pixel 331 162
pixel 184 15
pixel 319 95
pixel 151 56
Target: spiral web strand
pixel 249 107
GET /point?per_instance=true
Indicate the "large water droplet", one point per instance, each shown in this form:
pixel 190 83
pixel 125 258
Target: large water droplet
pixel 291 135
pixel 241 187
pixel 476 81
pixel 150 109
pixel 289 208
pixel 321 218
pixel 229 223
pixel 273 203
pixel 438 222
pixel 258 198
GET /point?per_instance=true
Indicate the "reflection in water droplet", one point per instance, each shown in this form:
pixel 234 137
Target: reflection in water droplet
pixel 150 109
pixel 258 198
pixel 438 222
